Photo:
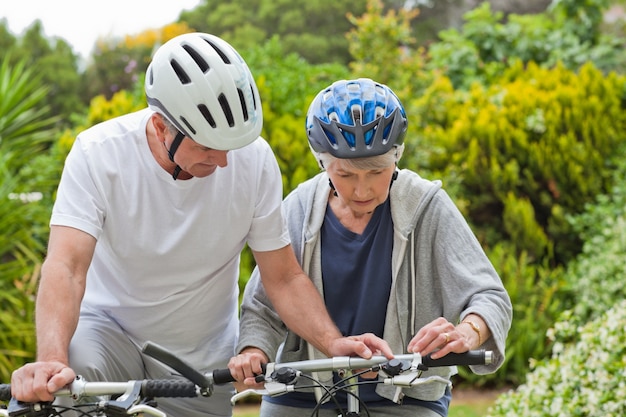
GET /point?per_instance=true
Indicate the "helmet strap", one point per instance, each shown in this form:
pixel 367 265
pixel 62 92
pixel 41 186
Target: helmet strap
pixel 393 178
pixel 332 187
pixel 172 150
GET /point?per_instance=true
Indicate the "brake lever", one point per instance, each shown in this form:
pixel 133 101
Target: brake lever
pixel 270 388
pixel 247 393
pixel 142 409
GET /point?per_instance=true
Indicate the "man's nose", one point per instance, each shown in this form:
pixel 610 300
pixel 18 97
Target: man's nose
pixel 221 158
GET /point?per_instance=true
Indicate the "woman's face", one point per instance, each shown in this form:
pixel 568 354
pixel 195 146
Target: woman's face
pixel 361 190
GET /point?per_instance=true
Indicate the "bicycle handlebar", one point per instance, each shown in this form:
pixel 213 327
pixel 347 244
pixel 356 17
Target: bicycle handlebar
pixel 223 376
pixel 196 383
pixel 184 388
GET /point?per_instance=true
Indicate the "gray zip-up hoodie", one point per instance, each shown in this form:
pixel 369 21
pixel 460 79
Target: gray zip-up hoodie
pixel 439 269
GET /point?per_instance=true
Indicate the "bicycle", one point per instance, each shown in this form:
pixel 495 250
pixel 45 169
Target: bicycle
pixel 138 397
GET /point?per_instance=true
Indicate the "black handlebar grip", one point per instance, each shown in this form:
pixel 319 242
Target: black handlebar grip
pixel 168 388
pixel 222 376
pixel 472 357
pixel 5 392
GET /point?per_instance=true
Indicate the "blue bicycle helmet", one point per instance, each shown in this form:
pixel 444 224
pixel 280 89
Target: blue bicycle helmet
pixel 356 119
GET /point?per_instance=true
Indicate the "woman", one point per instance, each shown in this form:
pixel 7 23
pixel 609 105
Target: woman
pixel 389 252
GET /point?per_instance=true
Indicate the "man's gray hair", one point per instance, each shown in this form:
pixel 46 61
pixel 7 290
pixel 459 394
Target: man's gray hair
pixel 169 125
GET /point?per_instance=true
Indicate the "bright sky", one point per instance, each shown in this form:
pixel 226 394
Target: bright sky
pixel 82 22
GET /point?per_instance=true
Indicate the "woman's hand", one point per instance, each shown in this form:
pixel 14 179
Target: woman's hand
pixel 441 337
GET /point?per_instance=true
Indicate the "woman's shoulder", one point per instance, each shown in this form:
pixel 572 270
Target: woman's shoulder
pixel 411 183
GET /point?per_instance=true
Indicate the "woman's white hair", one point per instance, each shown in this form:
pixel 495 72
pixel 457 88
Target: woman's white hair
pixel 325 159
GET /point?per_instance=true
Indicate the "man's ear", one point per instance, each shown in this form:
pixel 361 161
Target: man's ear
pixel 159 126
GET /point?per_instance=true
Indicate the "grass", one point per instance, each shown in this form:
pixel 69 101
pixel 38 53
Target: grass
pixel 474 410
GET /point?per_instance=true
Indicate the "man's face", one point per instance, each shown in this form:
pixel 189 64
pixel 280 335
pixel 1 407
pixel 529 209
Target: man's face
pixel 196 159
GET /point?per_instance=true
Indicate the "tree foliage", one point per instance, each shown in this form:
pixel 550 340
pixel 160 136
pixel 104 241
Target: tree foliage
pixel 488 43
pixel 314 29
pixel 118 64
pixel 378 39
pixel 26 130
pixel 53 60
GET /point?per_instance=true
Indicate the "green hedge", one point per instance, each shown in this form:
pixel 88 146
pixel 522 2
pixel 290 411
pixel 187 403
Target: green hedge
pixel 581 379
pixel 520 158
pixel 585 374
pixel 526 152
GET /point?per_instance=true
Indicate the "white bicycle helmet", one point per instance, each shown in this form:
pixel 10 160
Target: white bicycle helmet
pixel 203 86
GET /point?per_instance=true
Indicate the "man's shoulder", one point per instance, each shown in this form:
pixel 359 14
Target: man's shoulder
pixel 130 123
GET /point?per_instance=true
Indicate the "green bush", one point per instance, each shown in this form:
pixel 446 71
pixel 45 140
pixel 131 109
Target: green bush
pixel 520 158
pixel 585 374
pixel 25 130
pixel 539 296
pixel 602 266
pixel 526 152
pixel 581 379
pixel 489 42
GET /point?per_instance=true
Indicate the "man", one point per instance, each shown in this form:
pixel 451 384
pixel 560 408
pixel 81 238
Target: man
pixel 153 210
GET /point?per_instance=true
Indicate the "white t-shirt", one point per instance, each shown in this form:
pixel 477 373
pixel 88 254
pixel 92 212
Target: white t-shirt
pixel 166 262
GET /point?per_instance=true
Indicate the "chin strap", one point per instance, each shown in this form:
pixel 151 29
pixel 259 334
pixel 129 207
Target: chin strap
pixel 332 187
pixel 172 150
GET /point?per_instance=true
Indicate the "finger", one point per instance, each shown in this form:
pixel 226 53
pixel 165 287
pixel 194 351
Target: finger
pixel 361 349
pixel 59 380
pixel 376 345
pixel 381 347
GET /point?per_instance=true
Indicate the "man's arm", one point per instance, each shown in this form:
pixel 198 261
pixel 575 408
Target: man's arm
pixel 302 308
pixel 60 292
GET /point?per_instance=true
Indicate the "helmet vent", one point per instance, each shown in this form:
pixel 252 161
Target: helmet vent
pixel 180 72
pixel 202 64
pixel 219 52
pixel 190 127
pixel 242 100
pixel 356 114
pixel 228 113
pixel 253 97
pixel 207 115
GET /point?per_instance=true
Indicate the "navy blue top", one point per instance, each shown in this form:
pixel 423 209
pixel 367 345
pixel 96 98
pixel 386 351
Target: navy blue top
pixel 356 271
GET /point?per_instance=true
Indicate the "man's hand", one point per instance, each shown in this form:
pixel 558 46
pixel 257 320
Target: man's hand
pixel 245 366
pixel 365 345
pixel 39 381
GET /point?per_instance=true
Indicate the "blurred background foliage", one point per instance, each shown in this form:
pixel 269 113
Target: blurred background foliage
pixel 520 112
